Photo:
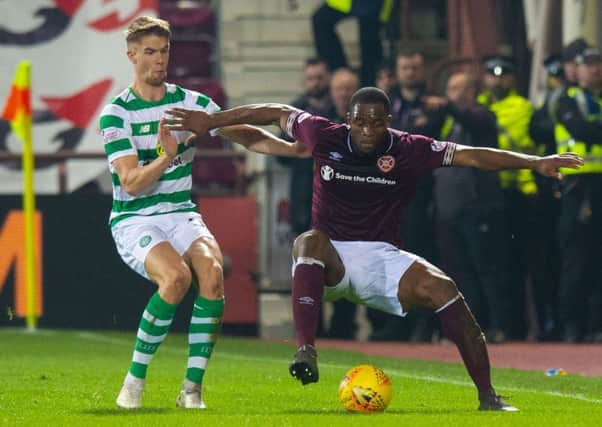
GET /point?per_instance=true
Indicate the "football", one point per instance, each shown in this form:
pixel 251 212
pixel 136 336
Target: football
pixel 365 388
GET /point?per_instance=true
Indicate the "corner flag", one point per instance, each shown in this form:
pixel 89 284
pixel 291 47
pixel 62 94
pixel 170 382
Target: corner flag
pixel 17 111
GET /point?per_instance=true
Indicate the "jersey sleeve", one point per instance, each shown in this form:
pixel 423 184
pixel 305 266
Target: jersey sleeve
pixel 306 128
pixel 427 154
pixel 198 101
pixel 116 133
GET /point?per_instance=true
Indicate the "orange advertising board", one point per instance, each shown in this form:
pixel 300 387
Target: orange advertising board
pixel 12 253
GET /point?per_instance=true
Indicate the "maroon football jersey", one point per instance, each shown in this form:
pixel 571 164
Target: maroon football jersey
pixel 359 197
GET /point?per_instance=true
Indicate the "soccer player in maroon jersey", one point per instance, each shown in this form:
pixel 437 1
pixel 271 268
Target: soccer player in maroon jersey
pixel 365 175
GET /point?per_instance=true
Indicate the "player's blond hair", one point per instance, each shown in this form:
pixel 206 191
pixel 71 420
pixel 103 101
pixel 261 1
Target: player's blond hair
pixel 145 26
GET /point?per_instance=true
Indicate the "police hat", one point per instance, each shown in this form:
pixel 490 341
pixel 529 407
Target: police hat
pixel 588 56
pixel 553 64
pixel 498 65
pixel 574 48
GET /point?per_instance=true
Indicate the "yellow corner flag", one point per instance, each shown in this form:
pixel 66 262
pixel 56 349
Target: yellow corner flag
pixel 17 111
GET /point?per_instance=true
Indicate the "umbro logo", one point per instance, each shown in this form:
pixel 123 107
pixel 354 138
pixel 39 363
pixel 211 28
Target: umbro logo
pixel 306 300
pixel 333 155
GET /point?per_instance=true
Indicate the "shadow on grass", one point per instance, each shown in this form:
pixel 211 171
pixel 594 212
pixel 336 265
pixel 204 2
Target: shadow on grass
pixel 103 412
pixel 116 412
pixel 425 411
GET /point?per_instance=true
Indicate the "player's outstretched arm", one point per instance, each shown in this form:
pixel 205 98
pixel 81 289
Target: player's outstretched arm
pixel 260 141
pixel 493 159
pixel 200 122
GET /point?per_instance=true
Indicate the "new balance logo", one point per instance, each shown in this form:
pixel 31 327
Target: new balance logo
pixel 306 300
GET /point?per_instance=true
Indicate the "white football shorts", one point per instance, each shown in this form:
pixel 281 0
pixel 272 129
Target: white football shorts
pixel 372 274
pixel 137 235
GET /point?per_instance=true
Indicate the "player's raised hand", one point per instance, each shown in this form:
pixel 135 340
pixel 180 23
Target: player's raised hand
pixel 550 165
pixel 167 141
pixel 191 120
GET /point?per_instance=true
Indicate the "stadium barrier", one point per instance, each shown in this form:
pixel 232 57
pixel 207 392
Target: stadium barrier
pixel 86 285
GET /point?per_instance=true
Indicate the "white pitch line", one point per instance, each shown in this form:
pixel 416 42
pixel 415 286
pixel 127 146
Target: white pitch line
pixel 92 336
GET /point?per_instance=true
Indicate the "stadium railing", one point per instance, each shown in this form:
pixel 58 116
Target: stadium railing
pixel 60 158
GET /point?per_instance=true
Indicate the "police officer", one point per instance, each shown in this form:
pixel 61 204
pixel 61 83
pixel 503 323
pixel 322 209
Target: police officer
pixel 513 113
pixel 541 126
pixel 569 53
pixel 579 129
pixel 547 205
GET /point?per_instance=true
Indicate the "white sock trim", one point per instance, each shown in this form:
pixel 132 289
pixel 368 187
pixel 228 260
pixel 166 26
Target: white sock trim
pixel 198 338
pixel 133 381
pixel 448 303
pixel 142 358
pixel 189 386
pixel 197 362
pixel 153 320
pixel 309 261
pixel 151 339
pixel 204 320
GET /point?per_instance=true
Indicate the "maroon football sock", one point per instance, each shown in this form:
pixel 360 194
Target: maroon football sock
pixel 459 325
pixel 308 287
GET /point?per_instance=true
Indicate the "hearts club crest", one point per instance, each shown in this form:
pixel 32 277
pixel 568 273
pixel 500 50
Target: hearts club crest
pixel 385 163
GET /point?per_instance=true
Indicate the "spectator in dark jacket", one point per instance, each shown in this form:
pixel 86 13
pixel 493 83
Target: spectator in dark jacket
pixel 469 208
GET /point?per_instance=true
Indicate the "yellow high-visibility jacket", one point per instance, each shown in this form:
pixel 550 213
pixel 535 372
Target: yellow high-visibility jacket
pixel 513 114
pixel 589 107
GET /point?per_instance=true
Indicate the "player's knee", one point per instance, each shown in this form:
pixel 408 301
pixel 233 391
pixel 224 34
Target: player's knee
pixel 176 280
pixel 312 242
pixel 435 291
pixel 214 288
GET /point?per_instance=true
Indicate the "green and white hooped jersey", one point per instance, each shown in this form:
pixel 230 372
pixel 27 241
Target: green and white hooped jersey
pixel 130 127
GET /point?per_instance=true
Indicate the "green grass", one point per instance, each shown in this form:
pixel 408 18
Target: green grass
pixel 72 378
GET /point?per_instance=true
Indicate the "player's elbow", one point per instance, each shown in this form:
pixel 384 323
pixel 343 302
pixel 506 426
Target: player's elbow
pixel 131 190
pixel 129 185
pixel 301 151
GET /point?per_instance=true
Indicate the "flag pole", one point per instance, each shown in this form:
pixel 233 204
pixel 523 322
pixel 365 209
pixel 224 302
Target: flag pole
pixel 17 110
pixel 29 206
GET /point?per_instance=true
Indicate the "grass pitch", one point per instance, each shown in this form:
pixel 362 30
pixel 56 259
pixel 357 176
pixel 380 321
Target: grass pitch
pixel 72 378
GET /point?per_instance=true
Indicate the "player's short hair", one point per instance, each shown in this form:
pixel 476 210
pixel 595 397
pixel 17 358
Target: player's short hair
pixel 371 95
pixel 146 26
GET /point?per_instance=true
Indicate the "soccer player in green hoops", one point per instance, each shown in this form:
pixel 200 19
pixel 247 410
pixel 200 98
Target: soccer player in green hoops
pixel 156 226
